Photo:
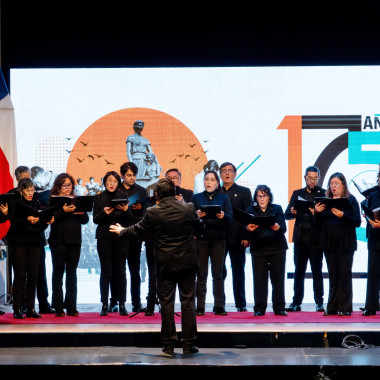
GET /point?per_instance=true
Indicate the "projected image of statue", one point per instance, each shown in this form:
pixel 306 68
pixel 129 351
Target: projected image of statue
pixel 139 151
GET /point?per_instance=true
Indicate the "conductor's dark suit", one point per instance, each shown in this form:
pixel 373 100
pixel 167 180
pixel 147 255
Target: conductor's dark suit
pixel 172 223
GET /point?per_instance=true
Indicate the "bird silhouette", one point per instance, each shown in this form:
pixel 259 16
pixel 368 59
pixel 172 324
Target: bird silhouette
pixel 180 155
pixel 205 151
pixel 172 162
pixel 196 159
pixel 99 155
pixel 108 163
pixel 89 155
pixel 79 159
pixel 68 138
pixel 84 144
pixel 192 145
pixel 69 151
pixel 187 155
pixel 205 141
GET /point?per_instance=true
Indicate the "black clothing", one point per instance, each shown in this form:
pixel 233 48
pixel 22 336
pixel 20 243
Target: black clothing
pixel 373 237
pixel 112 251
pixel 135 245
pixel 338 240
pixel 211 246
pixel 172 225
pixel 306 246
pixel 268 249
pixel 65 241
pixel 186 194
pixel 241 198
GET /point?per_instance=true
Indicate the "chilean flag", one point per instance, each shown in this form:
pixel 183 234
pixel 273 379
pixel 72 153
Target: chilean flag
pixel 8 150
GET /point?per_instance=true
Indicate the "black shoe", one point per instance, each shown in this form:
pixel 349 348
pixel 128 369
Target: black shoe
pixel 113 308
pixel 138 309
pixel 259 313
pixel 319 307
pixel 200 312
pixel 149 311
pixel 123 310
pixel 31 313
pixel 47 309
pixel 104 310
pixel 59 312
pixel 242 308
pixel 344 313
pixel 18 314
pixel 293 307
pixel 283 313
pixel 367 312
pixel 73 313
pixel 190 350
pixel 220 311
pixel 328 313
pixel 2 312
pixel 168 350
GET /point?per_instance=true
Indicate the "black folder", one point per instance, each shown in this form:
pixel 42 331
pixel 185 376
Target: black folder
pixel 211 210
pixel 42 196
pixel 341 204
pixel 6 198
pixel 23 211
pixel 119 201
pixel 373 214
pixel 365 192
pixel 303 206
pixel 247 218
pixel 83 203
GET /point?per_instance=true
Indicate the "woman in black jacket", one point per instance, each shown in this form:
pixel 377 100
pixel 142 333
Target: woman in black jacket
pixel 338 240
pixel 26 234
pixel 65 244
pixel 268 247
pixel 112 250
pixel 211 245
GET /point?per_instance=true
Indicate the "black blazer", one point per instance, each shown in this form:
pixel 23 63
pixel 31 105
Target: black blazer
pixel 265 241
pixel 172 223
pixel 345 227
pixel 303 218
pixel 373 234
pixel 241 198
pixel 186 194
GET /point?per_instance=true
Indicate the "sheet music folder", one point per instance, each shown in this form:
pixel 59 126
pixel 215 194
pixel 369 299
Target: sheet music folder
pixel 247 218
pixel 341 204
pixel 83 203
pixel 23 211
pixel 373 214
pixel 6 198
pixel 211 210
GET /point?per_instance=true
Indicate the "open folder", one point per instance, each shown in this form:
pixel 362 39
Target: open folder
pixel 341 204
pixel 22 210
pixel 119 202
pixel 6 198
pixel 247 218
pixel 83 203
pixel 303 206
pixel 211 210
pixel 373 214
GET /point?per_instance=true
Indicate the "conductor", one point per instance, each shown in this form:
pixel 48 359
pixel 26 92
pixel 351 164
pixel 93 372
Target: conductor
pixel 172 223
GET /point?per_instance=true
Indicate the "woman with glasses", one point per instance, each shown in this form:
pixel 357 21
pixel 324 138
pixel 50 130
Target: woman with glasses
pixel 338 240
pixel 26 234
pixel 268 247
pixel 211 245
pixel 112 250
pixel 65 244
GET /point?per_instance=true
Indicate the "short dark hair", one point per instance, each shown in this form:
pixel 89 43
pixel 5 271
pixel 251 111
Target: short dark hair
pixel 164 188
pixel 265 189
pixel 25 183
pixel 128 166
pixel 173 170
pixel 59 182
pixel 113 173
pixel 226 164
pixel 21 169
pixel 312 169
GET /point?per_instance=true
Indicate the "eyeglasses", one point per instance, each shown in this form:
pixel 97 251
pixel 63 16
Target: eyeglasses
pixel 313 179
pixel 173 178
pixel 227 171
pixel 65 186
pixel 335 184
pixel 262 196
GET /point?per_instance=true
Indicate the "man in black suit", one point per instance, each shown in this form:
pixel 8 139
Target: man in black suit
pixel 236 240
pixel 181 194
pixel 306 242
pixel 176 258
